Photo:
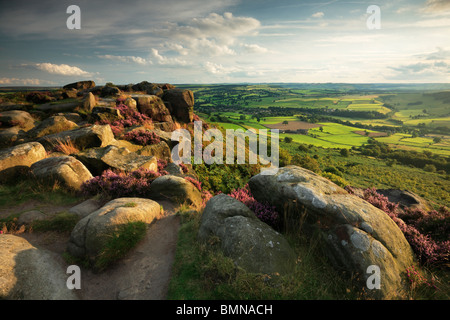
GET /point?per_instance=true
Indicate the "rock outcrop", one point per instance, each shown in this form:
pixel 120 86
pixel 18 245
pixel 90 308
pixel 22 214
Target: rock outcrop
pixel 112 157
pixel 30 273
pixel 91 233
pixel 82 138
pixel 356 234
pixel 175 189
pixel 65 170
pixel 252 244
pixel 80 85
pixel 180 104
pixel 17 160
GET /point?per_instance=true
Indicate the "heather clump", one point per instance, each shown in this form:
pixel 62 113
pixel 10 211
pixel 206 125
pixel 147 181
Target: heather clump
pixel 426 232
pixel 131 118
pixel 112 184
pixel 265 212
pixel 141 137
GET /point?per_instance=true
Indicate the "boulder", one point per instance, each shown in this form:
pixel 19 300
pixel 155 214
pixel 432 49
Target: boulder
pixel 71 93
pixel 99 159
pixel 12 136
pixel 16 160
pixel 147 87
pixel 153 107
pixel 30 273
pixel 85 208
pixel 160 150
pixel 16 118
pixel 130 103
pixel 106 113
pixel 86 137
pixel 66 170
pixel 30 216
pixel 180 104
pixel 252 244
pixel 51 125
pixel 175 189
pixel 356 234
pixel 59 107
pixel 71 116
pixel 80 85
pixel 91 233
pixel 89 102
pixel 108 91
pixel 405 199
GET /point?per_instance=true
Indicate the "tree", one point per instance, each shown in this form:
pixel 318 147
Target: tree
pixel 321 129
pixel 285 122
pixel 437 139
pixel 287 139
pixel 344 152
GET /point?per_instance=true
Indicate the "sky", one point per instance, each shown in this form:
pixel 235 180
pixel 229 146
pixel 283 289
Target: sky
pixel 227 41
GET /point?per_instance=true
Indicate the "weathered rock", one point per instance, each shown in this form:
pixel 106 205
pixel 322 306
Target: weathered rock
pixel 168 126
pixel 90 234
pixel 80 85
pixel 252 244
pixel 70 94
pixel 16 118
pixel 51 125
pixel 160 150
pixel 30 216
pixel 71 116
pixel 405 199
pixel 153 107
pixel 99 159
pixel 174 169
pixel 59 107
pixel 86 208
pixel 89 102
pixel 17 160
pixel 149 88
pixel 180 104
pixel 105 113
pixel 12 136
pixel 29 273
pixel 87 137
pixel 130 103
pixel 108 91
pixel 175 189
pixel 356 234
pixel 66 170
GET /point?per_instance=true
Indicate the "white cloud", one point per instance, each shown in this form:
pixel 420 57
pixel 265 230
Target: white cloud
pixel 254 48
pixel 161 60
pixel 62 69
pixel 26 82
pixel 318 15
pixel 127 59
pixel 219 69
pixel 223 29
pixel 437 5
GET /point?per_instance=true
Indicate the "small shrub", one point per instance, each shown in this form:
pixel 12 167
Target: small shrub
pixel 119 184
pixel 142 137
pixel 264 211
pixel 66 147
pixel 196 183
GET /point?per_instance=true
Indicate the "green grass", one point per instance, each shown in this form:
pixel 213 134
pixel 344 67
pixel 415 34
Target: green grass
pixel 25 190
pixel 62 222
pixel 202 272
pixel 124 239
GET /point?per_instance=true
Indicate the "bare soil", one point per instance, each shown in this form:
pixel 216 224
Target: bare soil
pixel 143 274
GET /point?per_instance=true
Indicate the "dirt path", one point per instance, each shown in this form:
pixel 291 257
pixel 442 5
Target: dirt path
pixel 143 274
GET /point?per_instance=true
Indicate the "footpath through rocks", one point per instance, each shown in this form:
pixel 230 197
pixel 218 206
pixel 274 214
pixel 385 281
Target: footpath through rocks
pixel 143 274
